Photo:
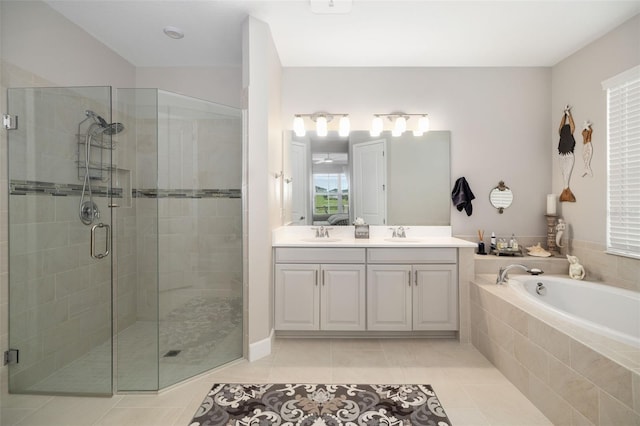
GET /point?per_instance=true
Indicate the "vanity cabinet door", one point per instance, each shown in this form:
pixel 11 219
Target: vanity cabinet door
pixel 389 290
pixel 297 297
pixel 435 297
pixel 342 297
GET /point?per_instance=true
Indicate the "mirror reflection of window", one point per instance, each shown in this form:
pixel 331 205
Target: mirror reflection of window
pixel 330 184
pixel 331 193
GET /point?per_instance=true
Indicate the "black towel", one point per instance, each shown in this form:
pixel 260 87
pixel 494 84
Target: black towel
pixel 462 196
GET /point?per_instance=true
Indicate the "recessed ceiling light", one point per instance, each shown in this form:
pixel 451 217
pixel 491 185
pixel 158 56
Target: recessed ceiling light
pixel 173 32
pixel 330 7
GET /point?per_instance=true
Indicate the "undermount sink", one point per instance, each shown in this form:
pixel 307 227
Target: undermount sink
pixel 402 240
pixel 320 240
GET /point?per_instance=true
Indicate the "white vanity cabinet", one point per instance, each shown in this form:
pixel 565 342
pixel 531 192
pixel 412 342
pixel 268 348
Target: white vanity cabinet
pixel 412 289
pixel 320 289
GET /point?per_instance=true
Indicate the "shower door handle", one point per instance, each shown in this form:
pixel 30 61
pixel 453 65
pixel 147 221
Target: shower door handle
pixel 92 245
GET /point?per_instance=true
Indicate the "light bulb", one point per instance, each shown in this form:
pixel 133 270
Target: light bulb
pixel 400 126
pixel 298 126
pixel 321 125
pixel 376 126
pixel 344 127
pixel 423 124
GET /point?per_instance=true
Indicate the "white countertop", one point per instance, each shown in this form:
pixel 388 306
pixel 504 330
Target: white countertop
pixel 343 236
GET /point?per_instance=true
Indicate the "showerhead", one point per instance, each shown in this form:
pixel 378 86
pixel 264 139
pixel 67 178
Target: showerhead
pixel 113 128
pixel 101 121
pixel 106 128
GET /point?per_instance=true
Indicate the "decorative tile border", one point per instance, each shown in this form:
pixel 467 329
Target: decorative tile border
pixel 22 187
pixel 187 193
pixel 18 187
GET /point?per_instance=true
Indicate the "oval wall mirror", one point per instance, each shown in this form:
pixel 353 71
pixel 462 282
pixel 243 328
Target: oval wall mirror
pixel 501 197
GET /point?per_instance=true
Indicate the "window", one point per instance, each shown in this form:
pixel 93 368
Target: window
pixel 330 193
pixel 623 163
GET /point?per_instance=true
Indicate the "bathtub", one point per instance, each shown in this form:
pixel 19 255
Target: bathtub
pixel 606 310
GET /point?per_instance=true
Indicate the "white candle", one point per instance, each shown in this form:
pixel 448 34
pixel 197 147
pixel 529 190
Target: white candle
pixel 551 204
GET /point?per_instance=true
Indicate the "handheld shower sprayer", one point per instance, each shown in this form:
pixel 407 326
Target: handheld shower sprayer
pixel 107 128
pixel 88 208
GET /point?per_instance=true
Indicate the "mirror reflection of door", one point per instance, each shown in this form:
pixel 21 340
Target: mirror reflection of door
pixel 299 183
pixel 370 182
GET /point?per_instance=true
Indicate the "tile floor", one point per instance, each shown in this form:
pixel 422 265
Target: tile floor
pixel 472 391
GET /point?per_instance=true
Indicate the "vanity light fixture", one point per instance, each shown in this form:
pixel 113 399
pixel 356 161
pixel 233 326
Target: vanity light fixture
pixel 321 119
pixel 298 126
pixel 399 120
pixel 344 127
pixel 423 126
pixel 321 125
pixel 400 126
pixel 377 126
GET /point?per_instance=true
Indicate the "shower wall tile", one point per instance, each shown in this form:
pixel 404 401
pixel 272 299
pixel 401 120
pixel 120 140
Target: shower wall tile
pixel 64 294
pixel 33 209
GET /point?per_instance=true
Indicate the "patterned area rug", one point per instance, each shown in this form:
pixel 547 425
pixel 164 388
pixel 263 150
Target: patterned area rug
pixel 320 405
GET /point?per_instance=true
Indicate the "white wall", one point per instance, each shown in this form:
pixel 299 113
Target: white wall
pixel 262 75
pixel 577 81
pixel 222 85
pixel 498 118
pixel 40 40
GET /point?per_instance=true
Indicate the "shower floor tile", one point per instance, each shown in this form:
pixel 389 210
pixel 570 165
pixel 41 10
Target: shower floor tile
pixel 207 333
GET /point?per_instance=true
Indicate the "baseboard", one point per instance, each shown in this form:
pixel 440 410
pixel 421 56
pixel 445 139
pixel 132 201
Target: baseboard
pixel 261 348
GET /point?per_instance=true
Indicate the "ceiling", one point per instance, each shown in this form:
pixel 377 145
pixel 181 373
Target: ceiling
pixel 375 33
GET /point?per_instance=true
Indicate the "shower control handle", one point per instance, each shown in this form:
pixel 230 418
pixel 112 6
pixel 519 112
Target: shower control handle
pixel 92 245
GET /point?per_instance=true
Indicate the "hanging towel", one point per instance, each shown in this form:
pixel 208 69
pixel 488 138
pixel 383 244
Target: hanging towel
pixel 462 196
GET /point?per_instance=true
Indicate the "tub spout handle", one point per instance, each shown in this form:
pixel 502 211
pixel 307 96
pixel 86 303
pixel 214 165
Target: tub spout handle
pixel 503 272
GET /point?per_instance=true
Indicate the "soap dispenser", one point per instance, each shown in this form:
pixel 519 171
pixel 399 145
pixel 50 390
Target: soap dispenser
pixel 493 241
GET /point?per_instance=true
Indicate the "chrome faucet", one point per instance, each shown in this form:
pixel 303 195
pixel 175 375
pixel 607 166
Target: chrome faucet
pixel 322 232
pixel 399 232
pixel 503 276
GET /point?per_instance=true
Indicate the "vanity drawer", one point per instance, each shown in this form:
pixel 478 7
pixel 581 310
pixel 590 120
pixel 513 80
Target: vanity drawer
pixel 319 255
pixel 412 255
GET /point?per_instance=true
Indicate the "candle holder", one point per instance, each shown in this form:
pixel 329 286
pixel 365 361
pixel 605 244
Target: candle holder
pixel 551 234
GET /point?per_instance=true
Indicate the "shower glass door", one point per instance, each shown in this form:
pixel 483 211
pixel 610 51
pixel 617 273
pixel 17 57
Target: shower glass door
pixel 60 286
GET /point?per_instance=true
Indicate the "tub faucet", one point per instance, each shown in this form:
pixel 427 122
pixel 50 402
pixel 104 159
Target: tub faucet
pixel 503 276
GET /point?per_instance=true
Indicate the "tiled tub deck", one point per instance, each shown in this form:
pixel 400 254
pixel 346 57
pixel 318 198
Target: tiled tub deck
pixel 573 376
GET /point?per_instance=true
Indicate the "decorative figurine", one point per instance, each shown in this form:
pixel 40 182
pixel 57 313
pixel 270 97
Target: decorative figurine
pixel 587 149
pixel 576 270
pixel 565 149
pixel 560 227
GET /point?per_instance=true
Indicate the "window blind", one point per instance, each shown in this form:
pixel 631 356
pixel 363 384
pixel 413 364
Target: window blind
pixel 623 163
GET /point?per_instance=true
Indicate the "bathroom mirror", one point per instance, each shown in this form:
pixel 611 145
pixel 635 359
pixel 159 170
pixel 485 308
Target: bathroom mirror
pixel 387 180
pixel 501 197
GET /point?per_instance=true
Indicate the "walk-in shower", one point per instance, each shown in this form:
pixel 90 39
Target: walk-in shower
pixel 150 293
